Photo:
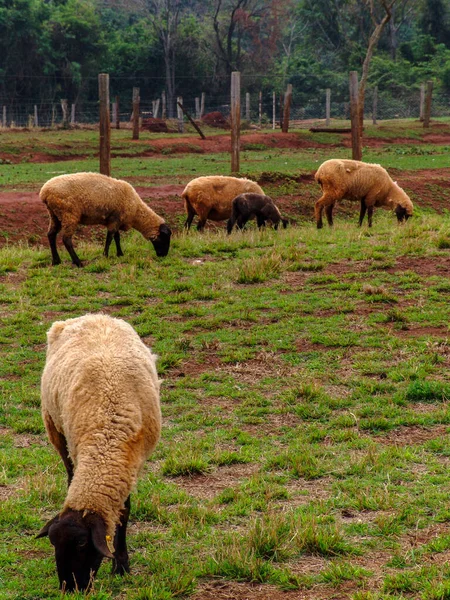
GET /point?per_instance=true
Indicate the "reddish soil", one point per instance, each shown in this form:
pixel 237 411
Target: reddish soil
pixel 24 219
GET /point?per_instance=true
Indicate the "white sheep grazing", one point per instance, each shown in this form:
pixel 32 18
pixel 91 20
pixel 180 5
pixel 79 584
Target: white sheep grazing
pixel 211 197
pixel 94 199
pixel 100 406
pixel 369 184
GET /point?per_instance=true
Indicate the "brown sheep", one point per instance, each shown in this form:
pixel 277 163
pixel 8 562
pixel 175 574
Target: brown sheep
pixel 211 197
pixel 94 199
pixel 369 184
pixel 246 206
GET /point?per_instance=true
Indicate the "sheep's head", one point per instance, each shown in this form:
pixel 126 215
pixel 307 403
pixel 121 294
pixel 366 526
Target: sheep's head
pixel 402 213
pixel 80 544
pixel 162 242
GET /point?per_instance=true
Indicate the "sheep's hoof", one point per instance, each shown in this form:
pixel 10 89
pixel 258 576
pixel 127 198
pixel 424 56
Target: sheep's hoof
pixel 120 567
pixel 56 262
pixel 319 225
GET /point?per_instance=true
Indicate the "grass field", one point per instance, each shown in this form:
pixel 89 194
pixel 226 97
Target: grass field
pixel 305 446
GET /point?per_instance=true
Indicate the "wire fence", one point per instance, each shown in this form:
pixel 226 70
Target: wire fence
pixel 50 114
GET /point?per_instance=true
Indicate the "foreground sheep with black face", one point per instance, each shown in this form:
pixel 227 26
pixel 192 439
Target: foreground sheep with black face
pixel 100 406
pixel 211 197
pixel 259 206
pixel 366 183
pixel 94 199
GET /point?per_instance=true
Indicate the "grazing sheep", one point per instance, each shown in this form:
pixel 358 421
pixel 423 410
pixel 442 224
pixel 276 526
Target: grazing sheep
pixel 94 199
pixel 247 206
pixel 355 180
pixel 100 406
pixel 211 197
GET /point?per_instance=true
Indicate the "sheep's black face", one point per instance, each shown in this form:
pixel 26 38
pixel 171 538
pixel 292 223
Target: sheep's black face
pixel 80 545
pixel 162 242
pixel 401 213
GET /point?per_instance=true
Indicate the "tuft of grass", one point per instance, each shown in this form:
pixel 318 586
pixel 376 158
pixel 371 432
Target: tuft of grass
pixel 260 269
pixel 427 391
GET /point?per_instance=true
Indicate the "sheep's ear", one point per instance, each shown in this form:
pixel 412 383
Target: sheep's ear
pixel 165 229
pixel 101 541
pixel 44 531
pixel 55 331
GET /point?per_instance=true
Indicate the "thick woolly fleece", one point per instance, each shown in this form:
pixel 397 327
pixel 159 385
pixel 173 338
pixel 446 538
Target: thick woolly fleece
pixel 94 199
pixel 211 197
pixel 100 389
pixel 354 180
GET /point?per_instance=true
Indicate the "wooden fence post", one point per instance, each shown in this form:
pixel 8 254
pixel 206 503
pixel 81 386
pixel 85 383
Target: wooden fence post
pixel 105 124
pixel 427 114
pixel 114 112
pixel 202 105
pixel 197 107
pixel 72 114
pixel 180 115
pixel 65 112
pixel 235 120
pixel 4 116
pixel 287 108
pixel 260 109
pixel 36 122
pixel 327 107
pixel 247 106
pixel 163 102
pixel 136 102
pixel 354 116
pixel 274 109
pixel 422 102
pixel 375 105
pixel 117 113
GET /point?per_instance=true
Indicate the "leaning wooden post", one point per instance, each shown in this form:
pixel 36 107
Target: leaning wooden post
pixel 180 114
pixel 105 125
pixel 274 109
pixel 36 122
pixel 247 106
pixel 235 120
pixel 191 120
pixel 65 112
pixel 202 105
pixel 136 101
pixel 375 105
pixel 427 114
pixel 156 108
pixel 327 107
pixel 354 117
pixel 422 102
pixel 260 109
pixel 72 114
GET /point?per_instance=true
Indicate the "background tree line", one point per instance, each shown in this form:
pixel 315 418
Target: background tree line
pixel 53 49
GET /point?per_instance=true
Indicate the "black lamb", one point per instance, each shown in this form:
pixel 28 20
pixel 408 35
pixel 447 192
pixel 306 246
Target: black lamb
pixel 251 205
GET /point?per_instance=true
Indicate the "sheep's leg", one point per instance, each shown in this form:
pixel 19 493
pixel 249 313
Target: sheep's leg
pixel 323 202
pixel 109 238
pixel 362 212
pixel 241 222
pixel 190 216
pixel 118 246
pixel 369 215
pixel 67 241
pixel 121 563
pixel 53 230
pixel 60 443
pixel 260 221
pixel 201 224
pixel 230 225
pixel 329 214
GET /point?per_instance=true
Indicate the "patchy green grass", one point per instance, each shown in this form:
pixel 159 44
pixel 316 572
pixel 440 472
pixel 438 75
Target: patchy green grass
pixel 305 397
pixel 305 404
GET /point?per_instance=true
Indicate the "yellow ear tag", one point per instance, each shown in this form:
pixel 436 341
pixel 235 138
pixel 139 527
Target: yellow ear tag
pixel 110 544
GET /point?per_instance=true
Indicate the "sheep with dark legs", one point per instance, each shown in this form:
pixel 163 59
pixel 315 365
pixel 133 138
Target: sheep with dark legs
pixel 369 184
pixel 247 206
pixel 210 197
pixel 94 199
pixel 100 406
